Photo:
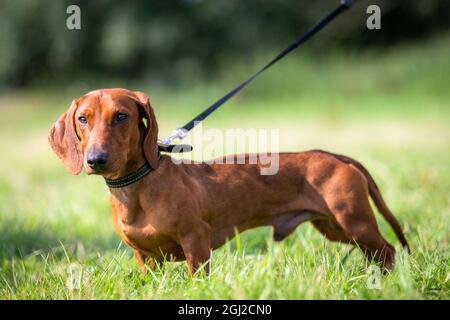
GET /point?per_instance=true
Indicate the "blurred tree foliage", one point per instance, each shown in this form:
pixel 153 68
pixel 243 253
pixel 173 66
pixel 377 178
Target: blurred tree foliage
pixel 137 38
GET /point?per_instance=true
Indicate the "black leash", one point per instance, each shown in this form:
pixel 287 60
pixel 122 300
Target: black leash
pixel 181 132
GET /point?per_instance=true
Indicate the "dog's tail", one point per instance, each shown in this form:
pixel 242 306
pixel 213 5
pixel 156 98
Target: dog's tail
pixel 375 194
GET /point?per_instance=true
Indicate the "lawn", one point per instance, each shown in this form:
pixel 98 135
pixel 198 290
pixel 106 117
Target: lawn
pixel 390 110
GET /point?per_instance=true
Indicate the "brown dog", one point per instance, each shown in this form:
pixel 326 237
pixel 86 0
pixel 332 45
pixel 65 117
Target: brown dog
pixel 182 211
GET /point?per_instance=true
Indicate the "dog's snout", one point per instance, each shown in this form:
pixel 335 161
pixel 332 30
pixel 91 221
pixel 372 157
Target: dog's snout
pixel 96 159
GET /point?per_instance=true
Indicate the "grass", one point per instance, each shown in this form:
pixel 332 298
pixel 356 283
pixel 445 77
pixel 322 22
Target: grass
pixel 390 111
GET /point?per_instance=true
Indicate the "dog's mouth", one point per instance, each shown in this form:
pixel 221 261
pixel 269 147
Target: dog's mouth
pixel 103 172
pixel 96 170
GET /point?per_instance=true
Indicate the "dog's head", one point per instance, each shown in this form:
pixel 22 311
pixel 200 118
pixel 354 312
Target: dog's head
pixel 106 131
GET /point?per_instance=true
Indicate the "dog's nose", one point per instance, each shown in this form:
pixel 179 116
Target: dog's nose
pixel 96 159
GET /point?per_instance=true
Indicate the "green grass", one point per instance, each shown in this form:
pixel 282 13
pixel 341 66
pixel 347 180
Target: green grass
pixel 389 110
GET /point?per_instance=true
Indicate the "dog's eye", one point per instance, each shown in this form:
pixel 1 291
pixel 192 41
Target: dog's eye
pixel 82 119
pixel 120 117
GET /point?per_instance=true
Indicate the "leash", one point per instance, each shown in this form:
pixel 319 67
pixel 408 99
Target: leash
pixel 181 132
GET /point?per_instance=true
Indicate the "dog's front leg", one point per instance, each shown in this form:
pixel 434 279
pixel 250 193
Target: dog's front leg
pixel 142 260
pixel 196 244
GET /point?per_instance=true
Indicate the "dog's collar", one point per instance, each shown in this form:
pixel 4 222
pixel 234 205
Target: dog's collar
pixel 129 179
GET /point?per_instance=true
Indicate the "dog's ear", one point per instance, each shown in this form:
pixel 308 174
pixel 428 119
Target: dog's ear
pixel 64 141
pixel 150 144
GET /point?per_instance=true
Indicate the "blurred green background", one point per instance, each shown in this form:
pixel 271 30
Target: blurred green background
pixel 380 96
pixel 181 41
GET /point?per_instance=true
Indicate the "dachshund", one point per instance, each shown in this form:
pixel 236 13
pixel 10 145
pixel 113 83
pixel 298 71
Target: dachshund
pixel 167 210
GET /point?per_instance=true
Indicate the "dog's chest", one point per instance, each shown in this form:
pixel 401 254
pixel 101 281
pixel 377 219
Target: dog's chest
pixel 141 235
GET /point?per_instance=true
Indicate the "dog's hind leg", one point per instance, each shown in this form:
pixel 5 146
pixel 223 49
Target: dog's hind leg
pixel 363 234
pixel 354 215
pixel 368 238
pixel 331 230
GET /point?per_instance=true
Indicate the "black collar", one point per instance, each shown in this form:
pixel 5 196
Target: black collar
pixel 145 169
pixel 129 179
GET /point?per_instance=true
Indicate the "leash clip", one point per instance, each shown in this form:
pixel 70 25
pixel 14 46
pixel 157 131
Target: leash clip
pixel 178 133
